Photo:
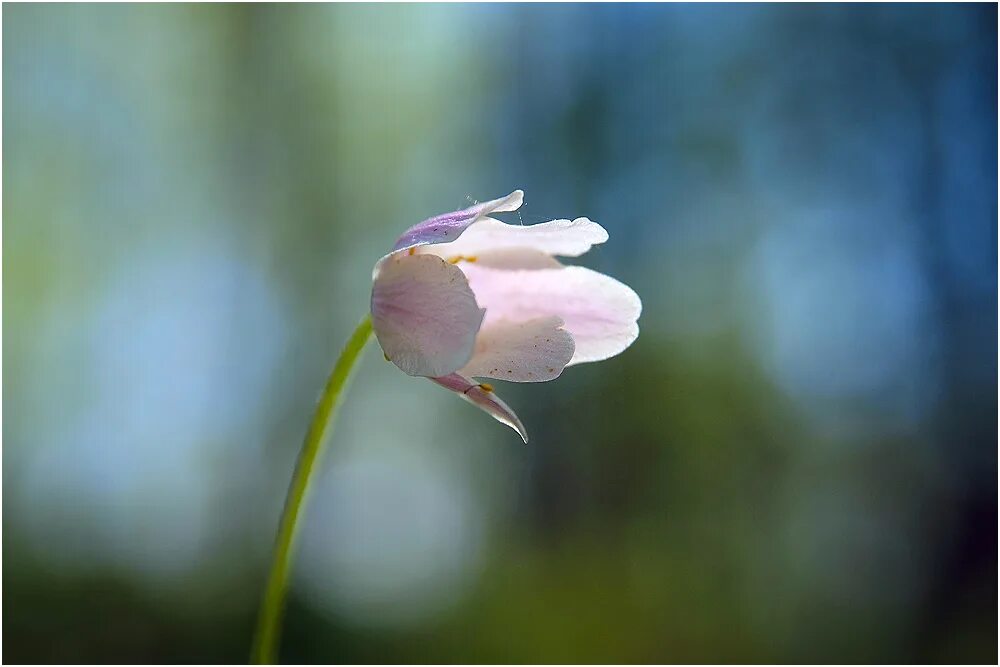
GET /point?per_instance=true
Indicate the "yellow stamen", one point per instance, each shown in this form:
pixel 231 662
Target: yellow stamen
pixel 412 251
pixel 488 388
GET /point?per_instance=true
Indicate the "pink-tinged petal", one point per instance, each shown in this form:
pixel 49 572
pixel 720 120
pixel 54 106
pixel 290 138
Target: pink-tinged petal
pixel 566 238
pixel 598 311
pixel 532 351
pixel 449 226
pixel 483 396
pixel 424 315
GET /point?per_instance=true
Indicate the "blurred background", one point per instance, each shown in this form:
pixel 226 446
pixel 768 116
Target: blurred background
pixel 796 461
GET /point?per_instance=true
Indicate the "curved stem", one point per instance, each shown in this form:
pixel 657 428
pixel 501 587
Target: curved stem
pixel 268 632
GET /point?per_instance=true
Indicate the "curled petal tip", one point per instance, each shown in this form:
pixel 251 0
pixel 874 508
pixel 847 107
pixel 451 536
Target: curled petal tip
pixel 511 202
pixel 483 397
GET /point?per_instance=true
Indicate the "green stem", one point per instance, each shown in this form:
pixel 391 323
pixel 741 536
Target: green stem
pixel 268 633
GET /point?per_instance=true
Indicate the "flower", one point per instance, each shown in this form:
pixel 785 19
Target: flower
pixel 462 295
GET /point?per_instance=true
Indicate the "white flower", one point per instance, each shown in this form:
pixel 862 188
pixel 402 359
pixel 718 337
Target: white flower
pixel 463 295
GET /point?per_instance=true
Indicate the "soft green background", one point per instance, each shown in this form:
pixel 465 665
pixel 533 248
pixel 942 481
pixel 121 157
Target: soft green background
pixel 796 461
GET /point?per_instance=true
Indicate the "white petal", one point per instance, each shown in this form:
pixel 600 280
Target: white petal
pixel 532 351
pixel 567 238
pixel 598 311
pixel 483 397
pixel 424 315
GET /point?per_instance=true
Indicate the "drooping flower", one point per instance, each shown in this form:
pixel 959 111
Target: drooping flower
pixel 463 295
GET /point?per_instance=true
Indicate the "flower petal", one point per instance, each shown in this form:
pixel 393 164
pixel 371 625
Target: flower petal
pixel 448 226
pixel 598 311
pixel 482 395
pixel 532 351
pixel 567 238
pixel 424 314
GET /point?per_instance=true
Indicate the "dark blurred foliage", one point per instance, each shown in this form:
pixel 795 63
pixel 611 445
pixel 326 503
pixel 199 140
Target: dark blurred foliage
pixel 796 461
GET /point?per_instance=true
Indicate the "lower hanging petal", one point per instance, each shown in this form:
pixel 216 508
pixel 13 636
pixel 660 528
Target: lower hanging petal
pixel 483 396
